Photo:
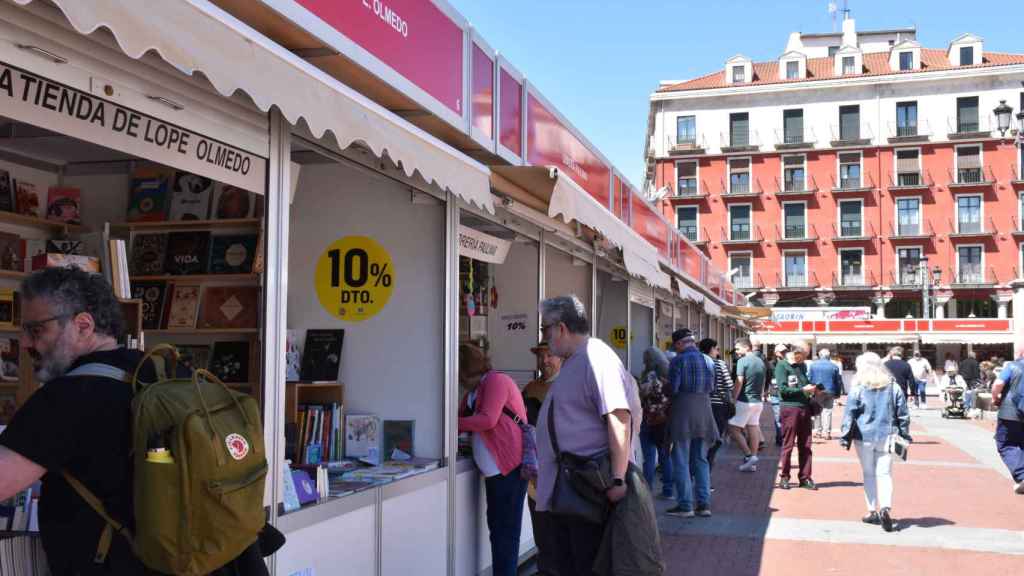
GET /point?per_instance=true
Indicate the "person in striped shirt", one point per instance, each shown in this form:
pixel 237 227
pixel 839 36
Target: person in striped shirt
pixel 721 396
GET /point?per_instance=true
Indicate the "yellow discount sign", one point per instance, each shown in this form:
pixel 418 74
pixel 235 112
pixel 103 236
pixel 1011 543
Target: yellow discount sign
pixel 618 336
pixel 354 278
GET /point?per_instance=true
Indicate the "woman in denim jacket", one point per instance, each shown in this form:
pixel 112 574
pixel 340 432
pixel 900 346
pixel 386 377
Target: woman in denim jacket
pixel 875 408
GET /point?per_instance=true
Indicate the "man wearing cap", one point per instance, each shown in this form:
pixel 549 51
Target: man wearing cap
pixel 796 391
pixel 534 394
pixel 773 390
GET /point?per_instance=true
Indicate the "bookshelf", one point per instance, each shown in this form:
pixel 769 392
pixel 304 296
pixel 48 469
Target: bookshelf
pixel 197 278
pixel 182 225
pixel 298 393
pixel 39 223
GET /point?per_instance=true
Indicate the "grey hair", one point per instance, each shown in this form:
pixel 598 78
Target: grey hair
pixel 72 291
pixel 568 310
pixel 824 354
pixel 745 342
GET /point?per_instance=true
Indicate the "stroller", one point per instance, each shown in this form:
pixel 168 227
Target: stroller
pixel 954 402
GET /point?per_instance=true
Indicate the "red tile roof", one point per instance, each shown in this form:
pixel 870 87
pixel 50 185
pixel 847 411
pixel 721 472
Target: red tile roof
pixel 875 64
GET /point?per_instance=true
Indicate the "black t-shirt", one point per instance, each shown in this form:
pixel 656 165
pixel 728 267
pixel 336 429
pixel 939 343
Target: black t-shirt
pixel 901 371
pixel 83 425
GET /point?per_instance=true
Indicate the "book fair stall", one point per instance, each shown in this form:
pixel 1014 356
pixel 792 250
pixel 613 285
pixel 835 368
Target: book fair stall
pixel 322 234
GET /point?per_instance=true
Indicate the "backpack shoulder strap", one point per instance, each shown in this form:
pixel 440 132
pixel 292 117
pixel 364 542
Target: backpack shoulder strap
pixel 101 370
pixel 103 548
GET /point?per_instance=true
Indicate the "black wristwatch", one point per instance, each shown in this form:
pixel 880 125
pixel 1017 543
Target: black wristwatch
pixel 616 482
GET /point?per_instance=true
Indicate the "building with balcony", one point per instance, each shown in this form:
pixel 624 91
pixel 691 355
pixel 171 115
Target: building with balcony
pixel 857 169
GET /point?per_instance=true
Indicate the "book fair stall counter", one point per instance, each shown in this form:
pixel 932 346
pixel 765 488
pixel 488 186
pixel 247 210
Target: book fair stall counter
pixel 612 310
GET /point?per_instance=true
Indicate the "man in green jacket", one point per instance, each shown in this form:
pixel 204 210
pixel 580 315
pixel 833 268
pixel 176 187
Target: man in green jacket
pixel 795 413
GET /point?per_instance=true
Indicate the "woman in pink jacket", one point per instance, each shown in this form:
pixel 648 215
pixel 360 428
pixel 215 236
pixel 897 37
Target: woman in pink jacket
pixel 497 450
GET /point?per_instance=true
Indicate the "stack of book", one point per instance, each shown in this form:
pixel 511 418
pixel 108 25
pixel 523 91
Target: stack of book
pixel 319 428
pixel 21 549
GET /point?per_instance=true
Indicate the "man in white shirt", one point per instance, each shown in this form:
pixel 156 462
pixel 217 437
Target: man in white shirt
pixel 922 370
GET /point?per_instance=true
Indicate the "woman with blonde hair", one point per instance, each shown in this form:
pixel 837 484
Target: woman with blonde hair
pixel 875 409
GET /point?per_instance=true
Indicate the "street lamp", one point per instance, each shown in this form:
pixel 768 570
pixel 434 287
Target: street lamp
pixel 1003 114
pixel 937 274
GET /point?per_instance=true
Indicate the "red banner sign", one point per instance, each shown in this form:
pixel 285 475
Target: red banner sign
pixel 510 114
pixel 483 93
pixel 646 223
pixel 971 325
pixel 551 143
pixel 689 260
pixel 414 37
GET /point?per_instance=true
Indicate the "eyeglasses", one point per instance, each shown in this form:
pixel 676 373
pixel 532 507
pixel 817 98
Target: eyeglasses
pixel 545 327
pixel 35 329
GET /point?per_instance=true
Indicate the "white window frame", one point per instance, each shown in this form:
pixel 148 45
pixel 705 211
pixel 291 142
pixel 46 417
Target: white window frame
pixel 1020 259
pixel 839 217
pixel 807 272
pixel 696 173
pixel 956 258
pixel 920 213
pixel 786 72
pixel 750 206
pixel 697 220
pixel 899 261
pixel 750 171
pixel 732 73
pixel 1020 212
pixel 839 256
pixel 783 217
pixel 920 164
pixel 842 64
pixel 956 209
pixel 839 167
pixel 981 157
pixel 680 117
pixel 782 174
pixel 899 60
pixel 749 254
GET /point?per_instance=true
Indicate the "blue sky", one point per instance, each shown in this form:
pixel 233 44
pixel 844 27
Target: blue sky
pixel 599 61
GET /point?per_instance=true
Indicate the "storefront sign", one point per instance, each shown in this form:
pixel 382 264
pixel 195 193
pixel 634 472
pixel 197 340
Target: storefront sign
pixel 30 98
pixel 483 93
pixel 354 278
pixel 551 143
pixel 971 325
pixel 514 323
pixel 617 337
pixel 414 37
pixel 483 247
pixel 510 113
pixel 822 313
pixel 646 223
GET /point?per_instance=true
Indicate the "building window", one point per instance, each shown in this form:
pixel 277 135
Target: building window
pixel 792 70
pixel 686 130
pixel 908 216
pixel 968 165
pixel 906 60
pixel 686 220
pixel 968 214
pixel 686 183
pixel 851 267
pixel 794 220
pixel 967 114
pixel 794 174
pixel 739 176
pixel 908 168
pixel 968 262
pixel 739 222
pixel 850 222
pixel 849 63
pixel 739 74
pixel 832 50
pixel 906 119
pixel 909 265
pixel 795 268
pixel 743 264
pixel 967 55
pixel 739 129
pixel 849 123
pixel 849 170
pixel 793 126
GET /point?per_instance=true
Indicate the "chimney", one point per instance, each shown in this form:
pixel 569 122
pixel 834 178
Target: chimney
pixel 794 44
pixel 849 32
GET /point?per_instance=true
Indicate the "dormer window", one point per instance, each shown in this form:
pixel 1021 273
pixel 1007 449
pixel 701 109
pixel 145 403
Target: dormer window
pixel 792 70
pixel 905 56
pixel 967 55
pixel 848 61
pixel 739 70
pixel 906 60
pixel 739 74
pixel 966 50
pixel 849 65
pixel 792 65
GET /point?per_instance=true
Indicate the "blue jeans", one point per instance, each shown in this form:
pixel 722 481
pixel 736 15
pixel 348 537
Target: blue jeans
pixel 505 496
pixel 775 401
pixel 1010 443
pixel 691 458
pixel 922 391
pixel 653 454
pixel 969 399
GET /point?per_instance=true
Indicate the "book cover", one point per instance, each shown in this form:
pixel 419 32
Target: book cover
pixel 8 308
pixel 292 356
pixel 231 202
pixel 9 356
pixel 398 435
pixel 194 357
pixel 233 254
pixel 33 247
pixel 187 253
pixel 190 196
pixel 64 204
pixel 291 497
pixel 27 199
pixel 230 307
pixel 12 252
pixel 148 197
pixel 304 487
pixel 152 296
pixel 229 361
pixel 184 307
pixel 6 191
pixel 321 355
pixel 362 435
pixel 149 252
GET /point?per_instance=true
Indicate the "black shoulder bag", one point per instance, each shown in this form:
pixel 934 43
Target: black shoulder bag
pixel 581 483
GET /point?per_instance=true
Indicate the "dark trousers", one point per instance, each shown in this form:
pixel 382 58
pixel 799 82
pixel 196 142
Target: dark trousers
pixel 722 422
pixel 796 431
pixel 505 495
pixel 544 539
pixel 578 541
pixel 1010 443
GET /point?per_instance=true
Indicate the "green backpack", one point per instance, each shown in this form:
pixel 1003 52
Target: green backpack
pixel 199 470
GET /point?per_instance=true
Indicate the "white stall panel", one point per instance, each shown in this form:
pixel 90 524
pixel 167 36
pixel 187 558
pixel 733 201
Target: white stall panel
pixel 342 545
pixel 512 326
pixel 567 275
pixel 642 320
pixel 611 312
pixel 414 532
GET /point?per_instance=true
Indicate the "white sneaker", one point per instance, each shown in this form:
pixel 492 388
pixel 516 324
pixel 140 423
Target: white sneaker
pixel 749 464
pixel 1019 488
